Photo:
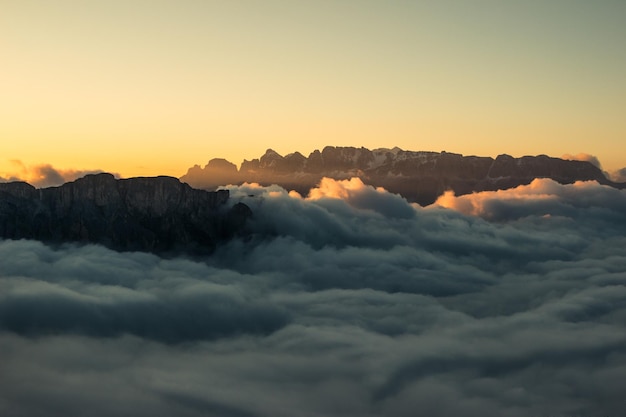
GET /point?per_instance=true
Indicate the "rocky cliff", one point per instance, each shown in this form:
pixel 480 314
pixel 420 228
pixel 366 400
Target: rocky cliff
pixel 158 214
pixel 418 176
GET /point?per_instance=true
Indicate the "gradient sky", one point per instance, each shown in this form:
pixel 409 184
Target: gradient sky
pixel 153 87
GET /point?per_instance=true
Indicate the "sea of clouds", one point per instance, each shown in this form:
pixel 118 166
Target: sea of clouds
pixel 349 302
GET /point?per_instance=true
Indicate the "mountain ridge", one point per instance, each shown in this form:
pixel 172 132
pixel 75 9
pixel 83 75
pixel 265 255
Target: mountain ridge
pixel 154 214
pixel 419 176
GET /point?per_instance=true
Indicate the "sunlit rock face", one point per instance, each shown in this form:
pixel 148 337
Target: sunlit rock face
pixel 418 176
pixel 158 214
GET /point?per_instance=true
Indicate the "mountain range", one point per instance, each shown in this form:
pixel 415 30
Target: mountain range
pixel 417 176
pixel 167 215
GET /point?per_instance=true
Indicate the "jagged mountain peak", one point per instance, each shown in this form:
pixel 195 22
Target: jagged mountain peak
pixel 221 164
pixel 419 176
pixel 271 153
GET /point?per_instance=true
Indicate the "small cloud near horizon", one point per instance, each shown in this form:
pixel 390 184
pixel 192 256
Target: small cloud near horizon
pixel 45 175
pixel 619 175
pixel 583 157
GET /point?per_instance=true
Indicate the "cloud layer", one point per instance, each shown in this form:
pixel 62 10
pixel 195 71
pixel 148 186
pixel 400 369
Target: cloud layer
pixel 349 302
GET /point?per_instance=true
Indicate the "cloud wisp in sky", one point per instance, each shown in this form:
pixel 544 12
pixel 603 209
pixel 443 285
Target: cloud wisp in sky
pixel 349 302
pixel 44 175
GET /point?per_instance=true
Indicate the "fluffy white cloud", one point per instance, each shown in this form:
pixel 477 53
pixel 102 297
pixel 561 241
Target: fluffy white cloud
pixel 543 197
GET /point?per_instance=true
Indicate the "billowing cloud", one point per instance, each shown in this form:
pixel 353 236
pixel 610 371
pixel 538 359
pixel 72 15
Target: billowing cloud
pixel 44 175
pixel 348 302
pixel 541 196
pixel 359 195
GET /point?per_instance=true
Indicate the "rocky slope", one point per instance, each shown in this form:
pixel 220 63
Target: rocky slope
pixel 158 214
pixel 418 176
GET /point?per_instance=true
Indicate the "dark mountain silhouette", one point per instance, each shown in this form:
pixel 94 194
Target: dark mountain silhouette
pixel 418 176
pixel 158 214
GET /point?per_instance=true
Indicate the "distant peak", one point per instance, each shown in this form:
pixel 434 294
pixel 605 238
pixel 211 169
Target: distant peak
pixel 99 178
pixel 271 151
pixel 395 150
pixel 270 157
pixel 221 163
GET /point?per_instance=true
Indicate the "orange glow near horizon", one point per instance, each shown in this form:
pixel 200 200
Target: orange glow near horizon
pixel 144 89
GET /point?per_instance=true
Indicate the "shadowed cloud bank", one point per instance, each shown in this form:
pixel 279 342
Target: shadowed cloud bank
pixel 348 302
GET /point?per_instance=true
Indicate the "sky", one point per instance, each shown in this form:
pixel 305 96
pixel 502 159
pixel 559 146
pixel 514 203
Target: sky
pixel 350 302
pixel 154 87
